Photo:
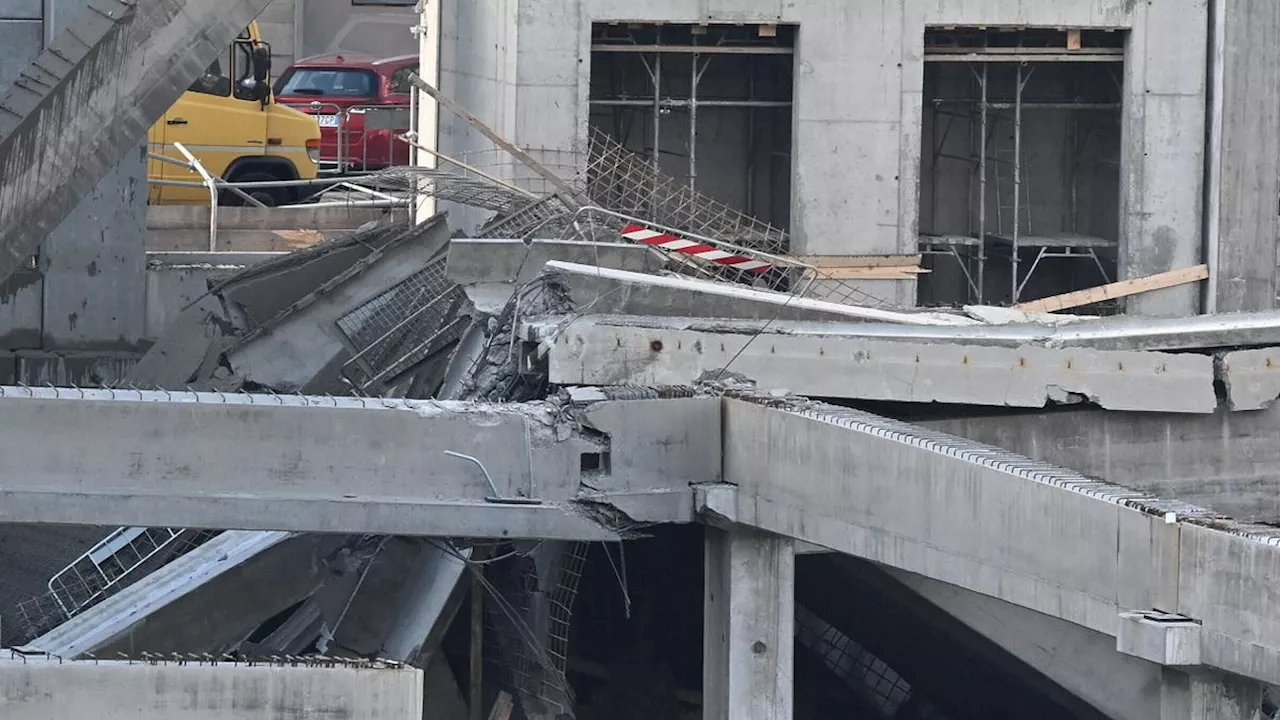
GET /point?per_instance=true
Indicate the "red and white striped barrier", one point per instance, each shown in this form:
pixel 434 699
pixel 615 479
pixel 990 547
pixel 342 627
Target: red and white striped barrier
pixel 702 251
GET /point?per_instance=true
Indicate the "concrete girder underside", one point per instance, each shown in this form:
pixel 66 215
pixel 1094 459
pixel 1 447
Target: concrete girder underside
pixel 90 98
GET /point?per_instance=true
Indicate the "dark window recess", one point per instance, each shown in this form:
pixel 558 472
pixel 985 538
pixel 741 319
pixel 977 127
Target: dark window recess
pixel 595 463
pixel 329 83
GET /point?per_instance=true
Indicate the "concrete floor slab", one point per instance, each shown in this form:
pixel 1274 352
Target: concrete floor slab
pixel 596 352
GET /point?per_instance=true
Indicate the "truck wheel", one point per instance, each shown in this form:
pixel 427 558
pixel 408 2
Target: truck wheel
pixel 271 197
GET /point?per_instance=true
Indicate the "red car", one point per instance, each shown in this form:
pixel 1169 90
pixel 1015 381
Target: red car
pixel 361 104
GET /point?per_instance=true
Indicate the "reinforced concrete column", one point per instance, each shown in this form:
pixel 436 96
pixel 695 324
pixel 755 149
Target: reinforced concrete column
pixel 749 609
pixel 1209 696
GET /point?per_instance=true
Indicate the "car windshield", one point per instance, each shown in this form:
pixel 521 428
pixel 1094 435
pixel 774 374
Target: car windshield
pixel 328 82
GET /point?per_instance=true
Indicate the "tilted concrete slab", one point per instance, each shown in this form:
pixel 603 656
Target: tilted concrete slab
pixel 302 347
pixel 684 351
pixel 993 522
pixel 91 96
pixel 111 619
pixel 322 464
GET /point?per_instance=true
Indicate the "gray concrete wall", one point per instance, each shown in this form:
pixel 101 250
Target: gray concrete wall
pixel 90 284
pixel 1229 461
pixel 858 105
pixel 40 689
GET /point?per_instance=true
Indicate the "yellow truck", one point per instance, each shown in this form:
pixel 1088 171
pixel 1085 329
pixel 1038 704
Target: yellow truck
pixel 230 122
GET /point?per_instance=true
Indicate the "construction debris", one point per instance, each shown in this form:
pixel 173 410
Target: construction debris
pixel 1115 290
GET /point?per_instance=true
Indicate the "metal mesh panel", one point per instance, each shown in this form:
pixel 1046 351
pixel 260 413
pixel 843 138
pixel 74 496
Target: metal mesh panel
pixel 403 325
pixel 867 674
pixel 77 588
pixel 622 181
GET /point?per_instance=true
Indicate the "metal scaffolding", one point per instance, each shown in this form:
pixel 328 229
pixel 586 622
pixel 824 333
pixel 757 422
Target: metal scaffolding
pixel 997 161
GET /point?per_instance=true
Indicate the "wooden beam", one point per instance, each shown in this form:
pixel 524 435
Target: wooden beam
pixel 1124 288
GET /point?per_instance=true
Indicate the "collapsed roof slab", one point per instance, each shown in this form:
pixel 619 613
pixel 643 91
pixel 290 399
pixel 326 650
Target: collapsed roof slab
pixel 91 96
pixel 329 465
pixel 598 351
pixel 606 290
pixel 990 521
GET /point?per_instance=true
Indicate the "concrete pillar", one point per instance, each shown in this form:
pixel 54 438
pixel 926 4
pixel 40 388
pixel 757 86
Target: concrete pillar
pixel 1243 165
pixel 1209 696
pixel 749 608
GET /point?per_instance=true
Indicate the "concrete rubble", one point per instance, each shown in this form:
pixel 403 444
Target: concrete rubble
pixel 331 450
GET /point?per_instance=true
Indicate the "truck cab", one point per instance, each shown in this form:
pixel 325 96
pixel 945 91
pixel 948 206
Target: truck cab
pixel 230 121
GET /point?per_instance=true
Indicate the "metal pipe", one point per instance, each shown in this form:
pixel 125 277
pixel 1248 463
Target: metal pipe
pixel 213 194
pixel 982 191
pixel 694 77
pixel 469 168
pixel 1213 156
pixel 1017 180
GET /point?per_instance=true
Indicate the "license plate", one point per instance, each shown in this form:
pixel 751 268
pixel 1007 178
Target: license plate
pixel 328 121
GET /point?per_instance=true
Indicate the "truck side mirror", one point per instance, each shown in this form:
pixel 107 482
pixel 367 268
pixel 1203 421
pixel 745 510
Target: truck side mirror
pixel 261 62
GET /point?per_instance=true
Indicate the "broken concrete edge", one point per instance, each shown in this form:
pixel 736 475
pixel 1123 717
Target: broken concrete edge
pixel 474 261
pixel 582 352
pixel 1250 378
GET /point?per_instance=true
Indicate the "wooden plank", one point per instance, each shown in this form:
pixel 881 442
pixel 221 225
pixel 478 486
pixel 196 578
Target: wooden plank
pixel 863 261
pixel 1124 288
pixel 1073 39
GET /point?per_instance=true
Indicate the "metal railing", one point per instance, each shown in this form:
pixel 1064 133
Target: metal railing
pixel 352 146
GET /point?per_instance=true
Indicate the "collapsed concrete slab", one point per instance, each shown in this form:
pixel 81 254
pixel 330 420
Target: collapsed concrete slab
pixel 597 350
pixel 989 521
pixel 303 347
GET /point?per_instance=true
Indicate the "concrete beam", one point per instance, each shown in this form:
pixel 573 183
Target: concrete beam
pixel 91 96
pixel 989 521
pixel 605 290
pixel 305 464
pixel 593 351
pixel 41 688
